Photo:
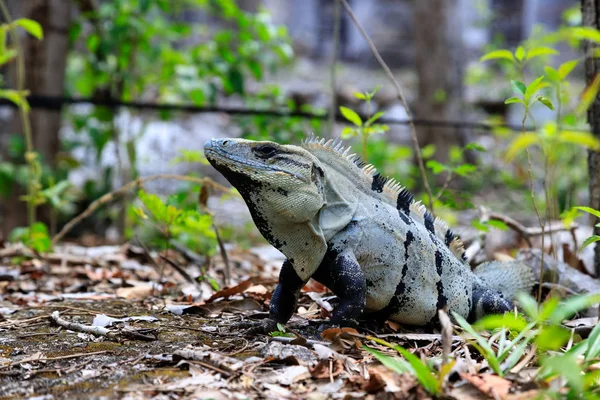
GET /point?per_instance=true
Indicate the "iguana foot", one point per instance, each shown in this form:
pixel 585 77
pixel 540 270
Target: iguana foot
pixel 262 327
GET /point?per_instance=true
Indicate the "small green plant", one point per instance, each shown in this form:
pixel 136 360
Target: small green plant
pixel 36 237
pixel 281 332
pixel 18 97
pixel 539 325
pixel 595 213
pixel 431 379
pixel 186 225
pixel 363 129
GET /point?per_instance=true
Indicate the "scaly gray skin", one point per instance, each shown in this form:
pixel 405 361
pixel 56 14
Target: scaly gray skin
pixel 358 233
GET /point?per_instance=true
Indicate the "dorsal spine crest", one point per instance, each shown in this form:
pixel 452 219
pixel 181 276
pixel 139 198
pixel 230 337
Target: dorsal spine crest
pixel 392 192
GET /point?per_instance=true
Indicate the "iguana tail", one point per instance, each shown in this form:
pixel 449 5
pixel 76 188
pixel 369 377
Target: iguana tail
pixel 508 278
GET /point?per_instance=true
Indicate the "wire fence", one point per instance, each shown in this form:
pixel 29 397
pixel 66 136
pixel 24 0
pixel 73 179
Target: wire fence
pixel 57 103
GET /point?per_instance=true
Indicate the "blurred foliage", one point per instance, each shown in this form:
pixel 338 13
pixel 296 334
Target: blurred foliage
pixel 177 219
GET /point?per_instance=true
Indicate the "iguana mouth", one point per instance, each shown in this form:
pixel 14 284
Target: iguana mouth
pixel 217 153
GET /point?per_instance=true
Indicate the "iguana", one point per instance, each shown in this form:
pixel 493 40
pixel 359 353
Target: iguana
pixel 360 234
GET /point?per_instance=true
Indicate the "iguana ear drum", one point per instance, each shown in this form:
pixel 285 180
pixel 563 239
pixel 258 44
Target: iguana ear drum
pixel 318 177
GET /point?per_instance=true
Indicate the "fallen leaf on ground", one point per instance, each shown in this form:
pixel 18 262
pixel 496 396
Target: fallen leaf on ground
pixel 231 291
pixel 327 369
pixel 491 385
pixel 135 292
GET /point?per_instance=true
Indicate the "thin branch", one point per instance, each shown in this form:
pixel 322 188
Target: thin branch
pixel 107 198
pixel 97 330
pixel 337 16
pixel 400 95
pixel 524 231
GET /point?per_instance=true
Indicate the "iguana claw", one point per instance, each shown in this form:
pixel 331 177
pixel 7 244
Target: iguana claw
pixel 262 327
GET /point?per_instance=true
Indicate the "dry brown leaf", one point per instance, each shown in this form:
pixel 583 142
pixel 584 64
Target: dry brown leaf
pixel 135 292
pixel 491 385
pixel 231 291
pixel 342 339
pixel 326 369
pixel 393 325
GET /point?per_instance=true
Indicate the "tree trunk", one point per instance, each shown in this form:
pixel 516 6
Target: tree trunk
pixel 45 62
pixel 439 63
pixel 591 17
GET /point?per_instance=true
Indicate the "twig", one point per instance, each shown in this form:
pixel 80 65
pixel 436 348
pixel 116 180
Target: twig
pixel 107 198
pixel 526 232
pixel 283 339
pixel 223 255
pixel 400 95
pixel 96 330
pixel 54 358
pixel 179 269
pixel 159 268
pixel 337 16
pixel 446 325
pixel 444 186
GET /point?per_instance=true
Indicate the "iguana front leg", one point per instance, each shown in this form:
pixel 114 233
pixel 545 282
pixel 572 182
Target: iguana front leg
pixel 284 300
pixel 285 296
pixel 341 273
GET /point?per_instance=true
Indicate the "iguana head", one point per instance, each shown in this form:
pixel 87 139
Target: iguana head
pixel 278 182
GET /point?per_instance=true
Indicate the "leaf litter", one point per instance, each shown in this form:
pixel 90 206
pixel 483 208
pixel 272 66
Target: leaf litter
pixel 98 322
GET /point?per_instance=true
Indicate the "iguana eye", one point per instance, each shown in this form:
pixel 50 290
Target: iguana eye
pixel 265 151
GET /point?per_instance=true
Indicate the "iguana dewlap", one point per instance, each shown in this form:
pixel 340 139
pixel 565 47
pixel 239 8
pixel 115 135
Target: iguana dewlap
pixel 361 235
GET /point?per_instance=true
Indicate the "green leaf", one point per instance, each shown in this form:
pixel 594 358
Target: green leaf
pixel 590 240
pixel 585 33
pixel 348 132
pixel 533 87
pixel 528 305
pixel 588 96
pixel 351 116
pixel 518 86
pixel 552 337
pixel 511 100
pixel 32 27
pixel 497 224
pixel 545 101
pixel 16 97
pixel 520 143
pixel 498 55
pixel 436 167
pixel 573 305
pixel 488 352
pixel 540 51
pixel 497 321
pixel 480 226
pixel 465 169
pixel 197 96
pixel 374 118
pixel 475 147
pixel 190 156
pixel 428 151
pixel 585 139
pixel 360 95
pixel 565 68
pixel 568 367
pixel 588 210
pixel 593 350
pixel 551 73
pixel 397 365
pixel 420 369
pixel 520 53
